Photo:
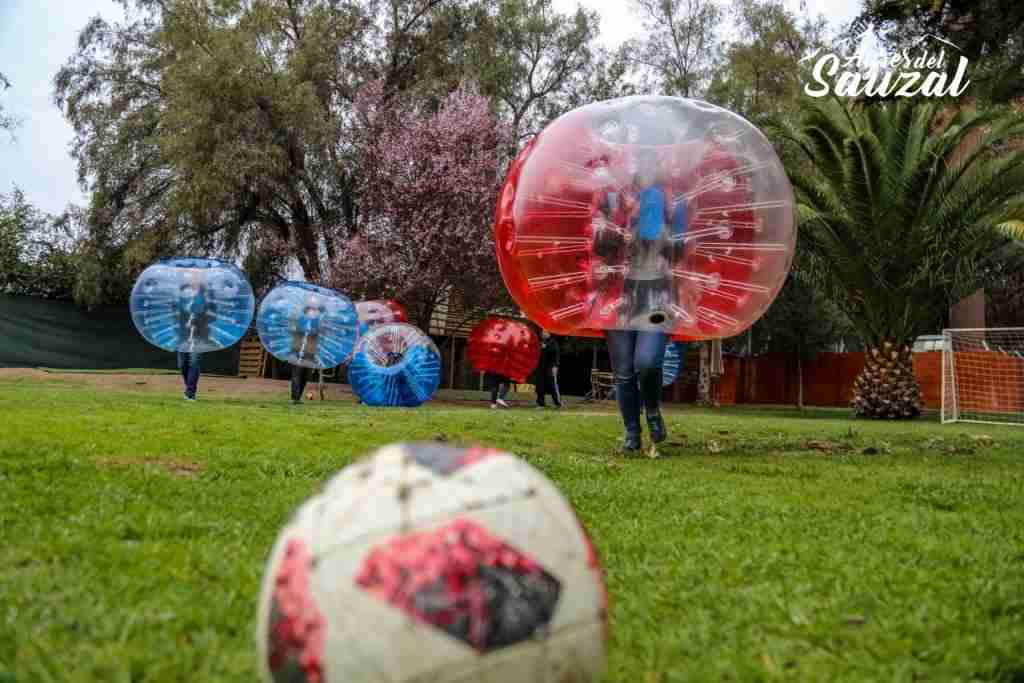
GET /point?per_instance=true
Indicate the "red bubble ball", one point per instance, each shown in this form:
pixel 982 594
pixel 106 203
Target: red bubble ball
pixel 379 311
pixel 505 347
pixel 646 213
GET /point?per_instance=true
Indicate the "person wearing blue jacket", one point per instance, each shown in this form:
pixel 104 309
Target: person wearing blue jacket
pixel 193 322
pixel 657 226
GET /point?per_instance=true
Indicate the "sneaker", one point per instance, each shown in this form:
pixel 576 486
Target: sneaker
pixel 631 442
pixel 656 426
pixel 190 398
pixel 540 407
pixel 494 406
pixel 503 403
pixel 296 402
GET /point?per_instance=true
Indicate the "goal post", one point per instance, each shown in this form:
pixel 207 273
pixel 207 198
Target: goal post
pixel 983 375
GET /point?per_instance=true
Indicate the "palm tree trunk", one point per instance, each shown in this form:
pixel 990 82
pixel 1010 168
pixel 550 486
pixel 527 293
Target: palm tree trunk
pixel 887 387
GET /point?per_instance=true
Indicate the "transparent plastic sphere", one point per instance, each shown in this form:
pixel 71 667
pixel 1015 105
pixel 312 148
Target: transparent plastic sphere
pixel 194 305
pixel 395 364
pixel 646 213
pixel 509 348
pixel 308 325
pixel 672 365
pixel 375 312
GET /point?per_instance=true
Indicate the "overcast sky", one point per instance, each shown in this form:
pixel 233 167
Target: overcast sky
pixel 38 36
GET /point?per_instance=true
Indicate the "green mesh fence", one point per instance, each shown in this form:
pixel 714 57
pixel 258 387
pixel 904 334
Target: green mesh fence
pixel 57 334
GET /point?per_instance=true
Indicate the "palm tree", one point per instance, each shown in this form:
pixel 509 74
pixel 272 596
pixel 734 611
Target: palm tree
pixel 900 206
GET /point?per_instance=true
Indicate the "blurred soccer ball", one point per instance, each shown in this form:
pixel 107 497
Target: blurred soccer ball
pixel 426 562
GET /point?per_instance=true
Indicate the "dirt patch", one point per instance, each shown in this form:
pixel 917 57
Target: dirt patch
pixel 177 468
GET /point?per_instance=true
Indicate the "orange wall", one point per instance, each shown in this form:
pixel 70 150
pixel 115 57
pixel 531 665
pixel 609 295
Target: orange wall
pixel 828 379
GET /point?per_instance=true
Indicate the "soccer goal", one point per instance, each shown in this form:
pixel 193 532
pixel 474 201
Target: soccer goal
pixel 983 375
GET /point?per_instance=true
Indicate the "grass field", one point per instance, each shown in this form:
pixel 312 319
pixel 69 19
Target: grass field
pixel 767 545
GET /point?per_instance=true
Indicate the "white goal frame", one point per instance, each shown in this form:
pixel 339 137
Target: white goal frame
pixel 976 386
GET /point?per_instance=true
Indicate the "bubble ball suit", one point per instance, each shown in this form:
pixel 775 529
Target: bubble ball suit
pixel 377 311
pixel 646 213
pixel 509 348
pixel 395 364
pixel 307 325
pixel 672 365
pixel 193 305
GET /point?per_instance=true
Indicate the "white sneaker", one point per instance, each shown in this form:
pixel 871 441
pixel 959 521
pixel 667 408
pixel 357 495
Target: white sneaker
pixel 503 403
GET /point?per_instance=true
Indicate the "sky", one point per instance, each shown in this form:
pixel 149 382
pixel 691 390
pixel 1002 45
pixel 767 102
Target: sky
pixel 38 36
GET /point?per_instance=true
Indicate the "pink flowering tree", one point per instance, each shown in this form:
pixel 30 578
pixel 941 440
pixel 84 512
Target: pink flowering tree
pixel 430 181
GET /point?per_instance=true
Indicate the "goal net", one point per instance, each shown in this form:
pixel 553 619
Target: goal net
pixel 983 375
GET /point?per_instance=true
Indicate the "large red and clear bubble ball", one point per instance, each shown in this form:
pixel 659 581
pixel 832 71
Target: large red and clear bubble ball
pixel 646 213
pixel 505 347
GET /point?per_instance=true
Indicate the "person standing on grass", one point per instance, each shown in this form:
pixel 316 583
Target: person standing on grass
pixel 499 390
pixel 305 345
pixel 652 229
pixel 547 371
pixel 193 323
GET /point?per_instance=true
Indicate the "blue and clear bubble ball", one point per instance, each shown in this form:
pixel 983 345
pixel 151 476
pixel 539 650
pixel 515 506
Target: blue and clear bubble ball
pixel 308 325
pixel 395 364
pixel 194 305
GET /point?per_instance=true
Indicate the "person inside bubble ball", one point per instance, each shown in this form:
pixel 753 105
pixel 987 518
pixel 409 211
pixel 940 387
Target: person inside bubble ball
pixel 649 242
pixel 193 323
pixel 305 339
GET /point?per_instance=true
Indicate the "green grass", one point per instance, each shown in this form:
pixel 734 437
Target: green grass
pixel 766 546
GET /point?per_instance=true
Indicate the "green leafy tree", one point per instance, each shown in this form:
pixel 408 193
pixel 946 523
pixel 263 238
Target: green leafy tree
pixel 212 125
pixel 528 58
pixel 760 73
pixel 990 33
pixel 37 251
pixel 899 210
pixel 678 52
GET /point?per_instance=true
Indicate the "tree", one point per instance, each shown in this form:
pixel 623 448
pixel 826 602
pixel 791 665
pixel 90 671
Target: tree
pixel 197 122
pixel 7 122
pixel 529 59
pixel 206 126
pixel 37 251
pixel 680 45
pixel 761 73
pixel 990 33
pixel 429 186
pixel 899 209
pixel 1004 292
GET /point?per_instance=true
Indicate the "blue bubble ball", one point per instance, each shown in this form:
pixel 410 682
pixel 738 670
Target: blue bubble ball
pixel 194 305
pixel 395 364
pixel 672 366
pixel 308 325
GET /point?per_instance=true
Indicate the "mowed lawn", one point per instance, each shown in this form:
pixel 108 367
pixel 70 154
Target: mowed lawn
pixel 767 545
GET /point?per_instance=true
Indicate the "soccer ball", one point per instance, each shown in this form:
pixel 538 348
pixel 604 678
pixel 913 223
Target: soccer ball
pixel 427 562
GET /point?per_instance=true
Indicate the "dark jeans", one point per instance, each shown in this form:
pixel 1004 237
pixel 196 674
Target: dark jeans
pixel 499 387
pixel 636 366
pixel 299 378
pixel 547 383
pixel 188 363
